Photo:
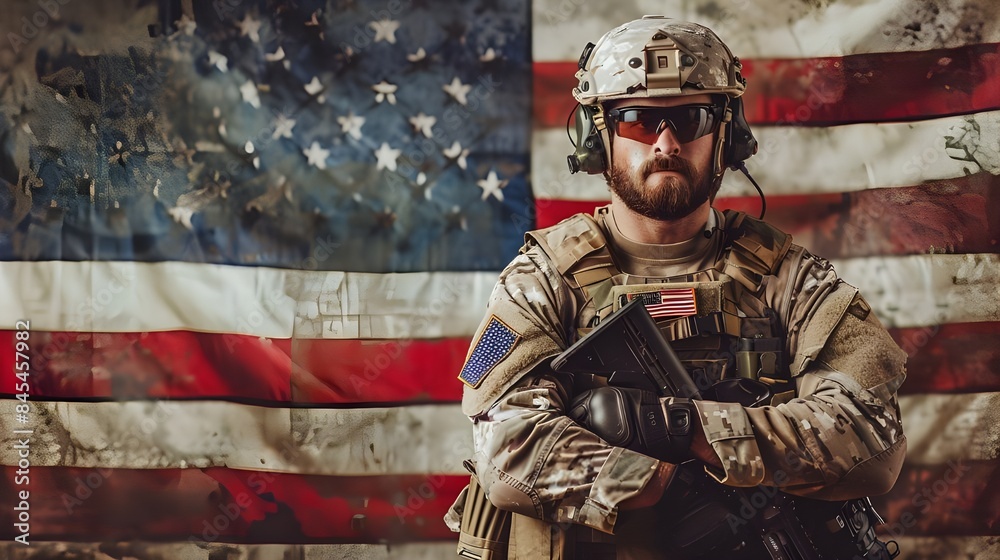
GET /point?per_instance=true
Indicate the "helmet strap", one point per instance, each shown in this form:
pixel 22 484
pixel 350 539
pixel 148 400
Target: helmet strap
pixel 605 132
pixel 719 153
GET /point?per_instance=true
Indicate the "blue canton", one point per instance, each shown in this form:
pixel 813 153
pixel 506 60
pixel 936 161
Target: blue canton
pixel 496 341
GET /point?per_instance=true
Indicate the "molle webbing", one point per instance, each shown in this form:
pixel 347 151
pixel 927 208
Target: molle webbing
pixel 755 249
pixel 569 244
pixel 579 250
pixel 717 310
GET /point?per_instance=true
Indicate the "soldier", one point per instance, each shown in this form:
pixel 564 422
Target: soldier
pixel 574 460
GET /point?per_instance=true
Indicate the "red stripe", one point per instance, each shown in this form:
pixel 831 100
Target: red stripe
pixel 875 87
pixel 229 505
pixel 961 357
pixel 958 498
pixel 951 358
pixel 956 216
pixel 183 364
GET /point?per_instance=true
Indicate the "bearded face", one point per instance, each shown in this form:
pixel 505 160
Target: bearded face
pixel 654 173
pixel 662 187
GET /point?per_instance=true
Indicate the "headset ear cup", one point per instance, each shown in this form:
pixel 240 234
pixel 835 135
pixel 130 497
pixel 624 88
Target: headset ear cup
pixel 740 143
pixel 589 155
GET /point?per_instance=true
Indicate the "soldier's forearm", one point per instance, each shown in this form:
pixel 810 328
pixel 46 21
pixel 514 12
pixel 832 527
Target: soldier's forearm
pixel 702 449
pixel 654 489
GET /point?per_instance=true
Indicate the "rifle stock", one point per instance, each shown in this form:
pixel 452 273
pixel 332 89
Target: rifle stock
pixel 628 349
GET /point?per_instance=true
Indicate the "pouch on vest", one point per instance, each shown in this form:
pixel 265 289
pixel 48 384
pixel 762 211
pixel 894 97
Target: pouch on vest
pixel 485 529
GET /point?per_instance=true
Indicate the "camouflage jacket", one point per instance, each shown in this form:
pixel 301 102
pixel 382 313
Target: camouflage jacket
pixel 838 436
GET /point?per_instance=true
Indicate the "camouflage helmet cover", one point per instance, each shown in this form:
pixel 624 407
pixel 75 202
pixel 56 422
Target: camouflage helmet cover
pixel 658 56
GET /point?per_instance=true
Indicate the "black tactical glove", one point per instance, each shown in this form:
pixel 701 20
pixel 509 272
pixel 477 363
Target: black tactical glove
pixel 638 420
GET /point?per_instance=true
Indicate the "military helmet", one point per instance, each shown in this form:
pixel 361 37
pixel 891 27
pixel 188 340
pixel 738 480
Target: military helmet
pixel 657 56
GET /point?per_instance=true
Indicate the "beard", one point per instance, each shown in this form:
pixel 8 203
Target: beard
pixel 672 198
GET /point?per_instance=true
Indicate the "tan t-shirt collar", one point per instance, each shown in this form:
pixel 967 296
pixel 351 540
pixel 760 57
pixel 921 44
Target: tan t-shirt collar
pixel 663 260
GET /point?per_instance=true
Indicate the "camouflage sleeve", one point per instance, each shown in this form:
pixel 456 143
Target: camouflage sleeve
pixel 533 460
pixel 530 457
pixel 841 436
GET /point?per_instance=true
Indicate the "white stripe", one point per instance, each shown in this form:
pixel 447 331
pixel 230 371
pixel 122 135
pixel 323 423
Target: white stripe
pixel 927 290
pixel 199 434
pixel 908 291
pixel 806 160
pixel 776 28
pixel 941 428
pixel 140 297
pixel 144 550
pixel 392 441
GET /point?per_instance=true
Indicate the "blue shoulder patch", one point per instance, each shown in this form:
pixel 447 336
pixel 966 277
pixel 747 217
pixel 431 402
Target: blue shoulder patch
pixel 493 345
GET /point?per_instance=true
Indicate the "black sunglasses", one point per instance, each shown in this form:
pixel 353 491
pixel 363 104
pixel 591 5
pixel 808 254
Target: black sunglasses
pixel 645 124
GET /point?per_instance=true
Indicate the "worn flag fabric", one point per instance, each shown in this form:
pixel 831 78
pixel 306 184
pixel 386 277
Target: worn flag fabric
pixel 253 241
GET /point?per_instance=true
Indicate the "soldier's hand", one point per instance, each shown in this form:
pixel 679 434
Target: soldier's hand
pixel 638 420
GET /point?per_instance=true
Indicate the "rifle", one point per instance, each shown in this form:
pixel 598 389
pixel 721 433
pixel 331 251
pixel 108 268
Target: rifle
pixel 629 350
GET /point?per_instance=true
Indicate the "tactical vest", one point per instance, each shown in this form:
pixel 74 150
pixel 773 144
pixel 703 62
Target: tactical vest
pixel 734 332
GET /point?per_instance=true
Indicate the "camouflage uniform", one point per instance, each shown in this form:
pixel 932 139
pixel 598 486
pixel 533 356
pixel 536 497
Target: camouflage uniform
pixel 834 434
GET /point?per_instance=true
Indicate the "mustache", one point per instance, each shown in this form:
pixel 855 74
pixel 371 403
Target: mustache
pixel 670 163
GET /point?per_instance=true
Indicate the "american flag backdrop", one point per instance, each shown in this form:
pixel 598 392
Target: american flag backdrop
pixel 253 239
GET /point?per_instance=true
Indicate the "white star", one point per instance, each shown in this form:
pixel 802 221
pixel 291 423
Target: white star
pixel 250 27
pixel 314 87
pixel 386 157
pixel 283 127
pixel 423 124
pixel 492 185
pixel 489 55
pixel 316 155
pixel 182 215
pixel 219 61
pixel 457 153
pixel 417 56
pixel 385 91
pixel 458 90
pixel 385 29
pixel 351 125
pixel 249 93
pixel 276 56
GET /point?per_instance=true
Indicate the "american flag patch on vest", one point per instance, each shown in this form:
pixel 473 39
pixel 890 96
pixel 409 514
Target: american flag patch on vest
pixel 492 346
pixel 673 302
